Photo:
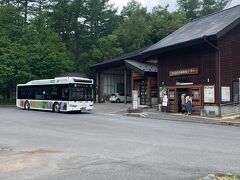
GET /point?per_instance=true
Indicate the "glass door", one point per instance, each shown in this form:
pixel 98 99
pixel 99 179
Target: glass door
pixel 143 94
pixel 196 100
pixel 172 100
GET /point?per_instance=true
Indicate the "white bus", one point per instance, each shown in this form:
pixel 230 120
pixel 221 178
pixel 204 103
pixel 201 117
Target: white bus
pixel 60 94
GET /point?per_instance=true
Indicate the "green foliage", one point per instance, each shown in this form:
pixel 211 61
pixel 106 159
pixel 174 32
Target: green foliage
pixel 10 23
pixel 211 6
pixel 164 23
pixel 48 55
pixel 198 8
pixel 11 55
pixel 133 32
pixel 60 19
pixel 28 51
pixel 80 23
pixel 107 47
pixel 43 38
pixel 190 7
pixel 132 7
pixel 99 16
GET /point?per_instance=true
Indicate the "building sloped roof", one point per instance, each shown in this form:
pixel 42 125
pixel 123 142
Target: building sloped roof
pixel 214 25
pixel 141 67
pixel 120 59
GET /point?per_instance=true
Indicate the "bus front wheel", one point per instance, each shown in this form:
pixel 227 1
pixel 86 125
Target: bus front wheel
pixel 26 105
pixel 56 107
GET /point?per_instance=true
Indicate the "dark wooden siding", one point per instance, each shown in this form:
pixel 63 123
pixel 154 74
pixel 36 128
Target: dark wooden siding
pixel 202 57
pixel 205 58
pixel 229 46
pixel 230 56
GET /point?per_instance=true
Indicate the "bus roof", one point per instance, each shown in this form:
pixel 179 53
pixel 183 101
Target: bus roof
pixel 59 80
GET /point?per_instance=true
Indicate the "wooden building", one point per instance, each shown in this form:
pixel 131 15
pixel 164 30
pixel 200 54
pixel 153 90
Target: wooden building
pixel 126 73
pixel 201 59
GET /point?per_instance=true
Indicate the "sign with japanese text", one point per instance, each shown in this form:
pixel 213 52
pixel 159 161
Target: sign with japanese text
pixel 225 94
pixel 182 72
pixel 209 94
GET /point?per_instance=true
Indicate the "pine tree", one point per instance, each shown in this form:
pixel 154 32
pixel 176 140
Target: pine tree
pixel 198 8
pixel 100 18
pixel 211 6
pixel 190 7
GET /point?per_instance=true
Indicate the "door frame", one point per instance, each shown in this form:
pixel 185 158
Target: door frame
pixel 146 88
pixel 174 88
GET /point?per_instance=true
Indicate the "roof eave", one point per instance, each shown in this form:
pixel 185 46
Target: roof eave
pixel 108 65
pixel 178 46
pixel 130 66
pixel 228 28
pixel 131 55
pixel 112 63
pixel 138 70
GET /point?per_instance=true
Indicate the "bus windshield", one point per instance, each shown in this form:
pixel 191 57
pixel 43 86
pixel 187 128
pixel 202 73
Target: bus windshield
pixel 80 94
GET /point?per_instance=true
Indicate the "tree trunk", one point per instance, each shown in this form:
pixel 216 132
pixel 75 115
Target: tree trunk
pixel 10 93
pixel 77 48
pixel 25 10
pixel 40 7
pixel 4 94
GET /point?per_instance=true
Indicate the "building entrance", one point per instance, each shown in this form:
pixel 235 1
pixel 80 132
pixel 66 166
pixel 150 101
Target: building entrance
pixel 181 99
pixel 175 98
pixel 143 94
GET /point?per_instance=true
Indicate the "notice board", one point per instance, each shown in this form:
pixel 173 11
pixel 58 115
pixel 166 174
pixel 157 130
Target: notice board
pixel 209 94
pixel 225 93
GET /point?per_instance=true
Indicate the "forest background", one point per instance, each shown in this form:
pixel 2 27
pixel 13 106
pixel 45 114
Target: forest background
pixel 44 38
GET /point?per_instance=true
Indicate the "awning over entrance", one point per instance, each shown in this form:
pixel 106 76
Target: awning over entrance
pixel 140 67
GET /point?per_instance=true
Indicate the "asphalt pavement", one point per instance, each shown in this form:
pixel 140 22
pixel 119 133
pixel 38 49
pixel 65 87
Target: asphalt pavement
pixel 103 145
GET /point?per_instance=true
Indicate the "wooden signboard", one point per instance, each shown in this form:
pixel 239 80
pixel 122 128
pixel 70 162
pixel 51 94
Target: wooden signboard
pixel 183 72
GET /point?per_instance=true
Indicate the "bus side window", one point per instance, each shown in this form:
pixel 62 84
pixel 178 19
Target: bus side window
pixel 65 93
pixel 54 93
pixel 39 94
pixel 46 94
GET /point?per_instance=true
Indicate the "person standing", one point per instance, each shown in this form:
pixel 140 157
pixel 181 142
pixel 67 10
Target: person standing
pixel 183 102
pixel 189 104
pixel 165 103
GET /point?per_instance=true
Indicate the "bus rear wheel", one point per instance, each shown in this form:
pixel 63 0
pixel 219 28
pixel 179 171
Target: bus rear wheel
pixel 56 107
pixel 26 105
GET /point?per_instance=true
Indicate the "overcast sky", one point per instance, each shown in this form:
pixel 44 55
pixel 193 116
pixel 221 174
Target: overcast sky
pixel 151 3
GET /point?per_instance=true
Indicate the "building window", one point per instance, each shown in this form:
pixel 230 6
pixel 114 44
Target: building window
pixel 120 87
pixel 184 81
pixel 236 91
